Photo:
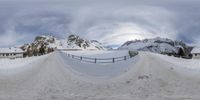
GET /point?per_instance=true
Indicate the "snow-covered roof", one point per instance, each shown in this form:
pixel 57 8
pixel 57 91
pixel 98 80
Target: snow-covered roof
pixel 195 50
pixel 11 50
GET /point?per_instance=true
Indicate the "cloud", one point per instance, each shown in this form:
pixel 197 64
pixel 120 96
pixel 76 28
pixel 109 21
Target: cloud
pixel 11 38
pixel 112 22
pixel 142 22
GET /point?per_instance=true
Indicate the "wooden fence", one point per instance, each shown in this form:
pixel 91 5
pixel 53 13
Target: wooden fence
pixel 99 60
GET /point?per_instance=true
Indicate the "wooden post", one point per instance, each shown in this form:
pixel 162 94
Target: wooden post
pixel 81 58
pixel 95 60
pixel 113 60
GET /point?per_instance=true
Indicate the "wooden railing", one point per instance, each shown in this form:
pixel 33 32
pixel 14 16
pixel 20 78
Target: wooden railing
pixel 99 60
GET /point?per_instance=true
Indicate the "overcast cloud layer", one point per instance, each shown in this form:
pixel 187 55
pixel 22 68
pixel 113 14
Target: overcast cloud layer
pixel 109 21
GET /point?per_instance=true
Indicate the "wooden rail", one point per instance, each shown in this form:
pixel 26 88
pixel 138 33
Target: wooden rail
pixel 99 60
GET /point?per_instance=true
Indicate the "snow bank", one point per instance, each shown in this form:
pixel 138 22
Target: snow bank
pixel 17 63
pixel 180 62
pixel 19 68
pixel 189 67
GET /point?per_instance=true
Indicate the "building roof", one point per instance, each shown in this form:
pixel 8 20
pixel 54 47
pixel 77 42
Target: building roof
pixel 11 50
pixel 195 50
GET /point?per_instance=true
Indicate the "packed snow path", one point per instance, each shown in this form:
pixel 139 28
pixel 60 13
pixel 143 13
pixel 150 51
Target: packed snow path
pixel 56 77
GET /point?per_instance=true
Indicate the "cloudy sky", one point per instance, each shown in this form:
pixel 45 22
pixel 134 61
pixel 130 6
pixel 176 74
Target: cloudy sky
pixel 112 22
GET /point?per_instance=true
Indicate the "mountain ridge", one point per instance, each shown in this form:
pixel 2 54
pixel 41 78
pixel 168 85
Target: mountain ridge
pixel 46 43
pixel 159 45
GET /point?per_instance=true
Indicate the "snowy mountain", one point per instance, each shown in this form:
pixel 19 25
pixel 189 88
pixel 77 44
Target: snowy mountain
pixel 76 42
pixel 45 43
pixel 159 45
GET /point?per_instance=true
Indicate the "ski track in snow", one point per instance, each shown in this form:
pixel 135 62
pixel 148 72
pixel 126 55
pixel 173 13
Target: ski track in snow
pixel 56 77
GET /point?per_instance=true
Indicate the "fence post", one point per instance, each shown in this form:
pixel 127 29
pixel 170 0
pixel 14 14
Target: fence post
pixel 81 58
pixel 113 60
pixel 95 60
pixel 124 57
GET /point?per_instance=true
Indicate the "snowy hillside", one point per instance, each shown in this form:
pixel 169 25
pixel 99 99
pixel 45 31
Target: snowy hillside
pixel 45 44
pixel 76 42
pixel 58 77
pixel 159 45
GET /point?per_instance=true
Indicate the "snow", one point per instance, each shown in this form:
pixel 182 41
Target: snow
pixel 195 50
pixel 163 47
pixel 156 45
pixel 184 63
pixel 11 50
pixel 64 44
pixel 100 53
pixel 105 70
pixel 14 63
pixel 147 76
pixel 185 66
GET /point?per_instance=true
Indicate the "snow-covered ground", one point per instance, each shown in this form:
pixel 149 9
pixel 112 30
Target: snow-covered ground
pixel 184 66
pixel 55 76
pixel 181 62
pixel 100 70
pixel 100 54
pixel 19 62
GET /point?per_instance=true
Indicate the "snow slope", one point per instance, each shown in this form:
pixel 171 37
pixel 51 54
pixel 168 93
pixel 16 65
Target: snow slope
pixel 70 42
pixel 159 45
pixel 145 77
